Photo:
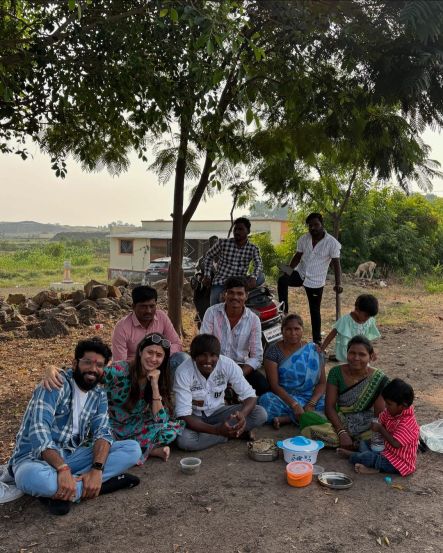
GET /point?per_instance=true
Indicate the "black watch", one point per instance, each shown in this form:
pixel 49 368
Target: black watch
pixel 98 466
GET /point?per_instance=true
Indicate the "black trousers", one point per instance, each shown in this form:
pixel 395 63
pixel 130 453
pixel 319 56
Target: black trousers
pixel 258 381
pixel 314 299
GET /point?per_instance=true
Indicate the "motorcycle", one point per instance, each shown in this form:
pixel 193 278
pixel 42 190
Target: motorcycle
pixel 260 301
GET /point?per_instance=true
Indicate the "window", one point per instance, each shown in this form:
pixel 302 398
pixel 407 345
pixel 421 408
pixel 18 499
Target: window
pixel 127 246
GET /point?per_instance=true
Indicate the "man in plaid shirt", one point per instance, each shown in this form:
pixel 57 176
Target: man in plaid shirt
pixel 53 458
pixel 233 258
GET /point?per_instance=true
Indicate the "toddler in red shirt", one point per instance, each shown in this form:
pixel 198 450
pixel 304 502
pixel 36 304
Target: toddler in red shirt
pixel 400 430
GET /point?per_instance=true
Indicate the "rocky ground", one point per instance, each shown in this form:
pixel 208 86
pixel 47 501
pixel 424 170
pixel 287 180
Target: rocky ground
pixel 234 504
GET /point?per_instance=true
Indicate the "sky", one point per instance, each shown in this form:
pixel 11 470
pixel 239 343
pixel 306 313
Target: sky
pixel 30 191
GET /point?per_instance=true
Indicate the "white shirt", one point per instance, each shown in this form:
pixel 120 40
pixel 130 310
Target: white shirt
pixel 78 402
pixel 194 394
pixel 313 266
pixel 242 343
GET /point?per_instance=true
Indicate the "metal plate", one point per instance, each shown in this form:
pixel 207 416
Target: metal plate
pixel 335 480
pixel 272 333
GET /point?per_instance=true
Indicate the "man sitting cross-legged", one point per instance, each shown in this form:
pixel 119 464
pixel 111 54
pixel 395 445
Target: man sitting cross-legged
pixel 200 385
pixel 239 332
pixel 52 458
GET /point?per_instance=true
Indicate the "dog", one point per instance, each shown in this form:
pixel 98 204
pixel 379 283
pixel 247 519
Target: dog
pixel 366 270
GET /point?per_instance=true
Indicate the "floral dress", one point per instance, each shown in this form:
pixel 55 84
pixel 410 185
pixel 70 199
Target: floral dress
pixel 140 424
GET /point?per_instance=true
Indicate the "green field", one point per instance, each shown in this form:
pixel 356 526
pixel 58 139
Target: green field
pixel 40 262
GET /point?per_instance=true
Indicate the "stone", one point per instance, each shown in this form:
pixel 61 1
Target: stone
pixel 121 281
pixel 49 328
pixel 6 338
pixel 85 303
pixel 160 285
pixel 114 292
pixel 67 304
pixel 46 297
pixel 11 325
pixel 98 291
pixel 16 317
pixel 90 285
pixel 28 308
pixel 107 304
pixel 72 319
pixel 16 299
pixel 46 313
pixel 3 316
pixel 87 315
pixel 77 296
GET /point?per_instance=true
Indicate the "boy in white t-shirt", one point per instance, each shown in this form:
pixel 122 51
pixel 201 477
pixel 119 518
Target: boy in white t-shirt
pixel 199 386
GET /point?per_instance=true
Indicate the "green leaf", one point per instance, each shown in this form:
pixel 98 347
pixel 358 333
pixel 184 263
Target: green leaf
pixel 79 11
pixel 209 47
pixel 71 4
pixel 173 14
pixel 164 12
pixel 249 116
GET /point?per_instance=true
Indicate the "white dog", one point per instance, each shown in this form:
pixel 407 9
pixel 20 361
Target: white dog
pixel 366 270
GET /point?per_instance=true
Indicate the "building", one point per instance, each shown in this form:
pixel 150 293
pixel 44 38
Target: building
pixel 132 251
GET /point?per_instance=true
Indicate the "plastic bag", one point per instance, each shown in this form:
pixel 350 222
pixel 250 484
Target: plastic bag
pixel 432 435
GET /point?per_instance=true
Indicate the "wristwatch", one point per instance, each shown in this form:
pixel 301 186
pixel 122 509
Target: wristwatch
pixel 98 466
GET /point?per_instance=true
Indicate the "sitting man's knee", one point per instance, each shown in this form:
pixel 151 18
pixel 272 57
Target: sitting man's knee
pixel 260 415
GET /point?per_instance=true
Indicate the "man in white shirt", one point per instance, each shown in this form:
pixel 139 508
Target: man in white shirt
pixel 315 251
pixel 199 386
pixel 239 332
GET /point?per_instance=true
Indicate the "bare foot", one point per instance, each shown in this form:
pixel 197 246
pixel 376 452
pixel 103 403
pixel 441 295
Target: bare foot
pixel 276 422
pixel 361 469
pixel 161 452
pixel 344 452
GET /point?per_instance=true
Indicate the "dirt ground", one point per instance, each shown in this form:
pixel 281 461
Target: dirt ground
pixel 235 505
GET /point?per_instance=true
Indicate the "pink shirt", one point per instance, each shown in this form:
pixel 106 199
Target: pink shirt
pixel 405 430
pixel 128 333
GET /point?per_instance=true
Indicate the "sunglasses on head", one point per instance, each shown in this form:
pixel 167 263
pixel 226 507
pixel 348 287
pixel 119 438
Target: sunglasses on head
pixel 156 339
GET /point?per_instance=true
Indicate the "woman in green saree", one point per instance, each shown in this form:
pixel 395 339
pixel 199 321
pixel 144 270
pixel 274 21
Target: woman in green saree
pixel 353 398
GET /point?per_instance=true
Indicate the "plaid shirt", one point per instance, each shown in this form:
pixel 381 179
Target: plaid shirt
pixel 232 260
pixel 47 423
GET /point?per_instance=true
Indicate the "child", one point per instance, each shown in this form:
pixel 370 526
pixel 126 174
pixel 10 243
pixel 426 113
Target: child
pixel 400 431
pixel 360 321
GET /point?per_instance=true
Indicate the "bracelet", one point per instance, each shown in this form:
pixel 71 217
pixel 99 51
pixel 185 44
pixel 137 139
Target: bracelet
pixel 63 468
pixel 311 402
pixel 341 431
pixel 159 398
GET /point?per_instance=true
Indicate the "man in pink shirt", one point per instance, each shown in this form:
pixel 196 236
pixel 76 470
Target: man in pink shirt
pixel 144 319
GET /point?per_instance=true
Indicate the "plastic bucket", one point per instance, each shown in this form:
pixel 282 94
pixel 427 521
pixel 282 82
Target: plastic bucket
pixel 299 474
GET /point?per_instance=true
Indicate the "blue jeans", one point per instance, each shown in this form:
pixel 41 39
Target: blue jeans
pixel 175 360
pixel 217 289
pixel 39 478
pixel 372 459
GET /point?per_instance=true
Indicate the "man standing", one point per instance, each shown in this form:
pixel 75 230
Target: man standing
pixel 51 459
pixel 315 251
pixel 233 258
pixel 146 318
pixel 239 331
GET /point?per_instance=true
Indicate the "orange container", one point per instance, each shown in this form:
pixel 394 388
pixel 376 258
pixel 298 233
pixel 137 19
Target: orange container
pixel 299 473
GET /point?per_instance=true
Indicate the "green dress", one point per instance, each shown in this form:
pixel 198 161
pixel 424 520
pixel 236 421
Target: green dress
pixel 140 424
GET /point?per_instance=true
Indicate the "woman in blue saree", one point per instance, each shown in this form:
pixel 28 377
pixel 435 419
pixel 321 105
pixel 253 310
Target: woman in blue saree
pixel 296 376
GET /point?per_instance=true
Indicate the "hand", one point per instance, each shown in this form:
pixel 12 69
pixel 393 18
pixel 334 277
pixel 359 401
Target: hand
pixel 52 379
pixel 338 288
pixel 309 407
pixel 227 429
pixel 251 283
pixel 297 409
pixel 241 423
pixel 206 281
pixel 319 348
pixel 92 483
pixel 376 426
pixel 153 376
pixel 345 440
pixel 67 487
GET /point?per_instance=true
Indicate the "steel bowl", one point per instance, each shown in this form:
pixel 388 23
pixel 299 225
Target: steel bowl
pixel 262 457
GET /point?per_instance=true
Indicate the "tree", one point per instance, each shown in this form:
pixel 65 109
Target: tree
pixel 127 74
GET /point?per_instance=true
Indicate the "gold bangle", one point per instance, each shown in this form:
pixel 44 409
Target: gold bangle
pixel 157 398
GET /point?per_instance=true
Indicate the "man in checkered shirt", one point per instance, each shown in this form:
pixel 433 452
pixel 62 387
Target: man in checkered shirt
pixel 233 258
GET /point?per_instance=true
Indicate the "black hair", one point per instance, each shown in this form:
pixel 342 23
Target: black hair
pixel 292 317
pixel 243 221
pixel 312 216
pixel 94 344
pixel 399 391
pixel 204 343
pixel 368 304
pixel 363 341
pixel 143 293
pixel 136 373
pixel 235 282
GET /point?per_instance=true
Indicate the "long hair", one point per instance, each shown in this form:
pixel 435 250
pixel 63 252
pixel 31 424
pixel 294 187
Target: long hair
pixel 136 373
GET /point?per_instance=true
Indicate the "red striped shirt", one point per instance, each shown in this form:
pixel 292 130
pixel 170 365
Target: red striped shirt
pixel 403 428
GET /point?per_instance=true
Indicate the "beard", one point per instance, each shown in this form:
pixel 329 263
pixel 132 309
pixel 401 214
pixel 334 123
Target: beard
pixel 82 383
